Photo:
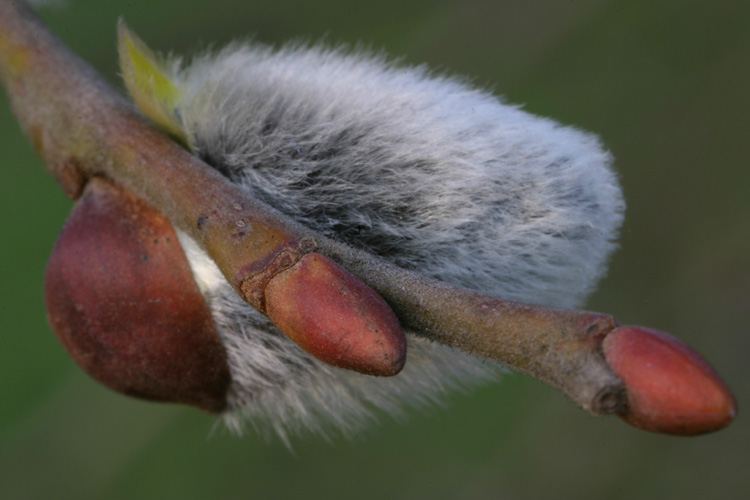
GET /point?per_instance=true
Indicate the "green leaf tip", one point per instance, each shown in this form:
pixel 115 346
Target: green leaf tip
pixel 146 78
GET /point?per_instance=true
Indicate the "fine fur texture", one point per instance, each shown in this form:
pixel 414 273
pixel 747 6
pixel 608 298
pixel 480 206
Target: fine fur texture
pixel 421 170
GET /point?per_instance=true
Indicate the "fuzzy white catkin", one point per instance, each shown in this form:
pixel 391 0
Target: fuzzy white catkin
pixel 422 170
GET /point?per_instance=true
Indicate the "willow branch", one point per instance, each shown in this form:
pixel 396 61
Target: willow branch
pixel 83 128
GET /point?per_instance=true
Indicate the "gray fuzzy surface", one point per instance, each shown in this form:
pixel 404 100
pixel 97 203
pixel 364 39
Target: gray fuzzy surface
pixel 421 170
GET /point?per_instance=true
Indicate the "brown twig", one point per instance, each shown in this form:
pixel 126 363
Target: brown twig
pixel 82 128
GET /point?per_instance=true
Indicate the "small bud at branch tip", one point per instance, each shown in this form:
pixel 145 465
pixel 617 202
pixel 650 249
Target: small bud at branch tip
pixel 670 388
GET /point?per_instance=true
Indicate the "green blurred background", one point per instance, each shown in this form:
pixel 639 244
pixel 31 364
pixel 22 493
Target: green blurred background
pixel 664 83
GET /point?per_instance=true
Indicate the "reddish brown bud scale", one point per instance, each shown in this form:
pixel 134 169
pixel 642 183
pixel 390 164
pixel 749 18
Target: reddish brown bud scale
pixel 335 317
pixel 121 298
pixel 670 387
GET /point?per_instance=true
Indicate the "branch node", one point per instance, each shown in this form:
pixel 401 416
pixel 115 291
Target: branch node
pixel 610 399
pixel 253 287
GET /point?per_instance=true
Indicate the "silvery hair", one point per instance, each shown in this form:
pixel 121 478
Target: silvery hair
pixel 420 169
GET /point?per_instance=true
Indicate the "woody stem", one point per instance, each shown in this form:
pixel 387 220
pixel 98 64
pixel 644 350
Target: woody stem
pixel 83 128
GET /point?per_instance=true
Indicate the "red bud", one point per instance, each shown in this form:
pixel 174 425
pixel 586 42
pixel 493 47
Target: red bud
pixel 121 298
pixel 335 317
pixel 670 387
